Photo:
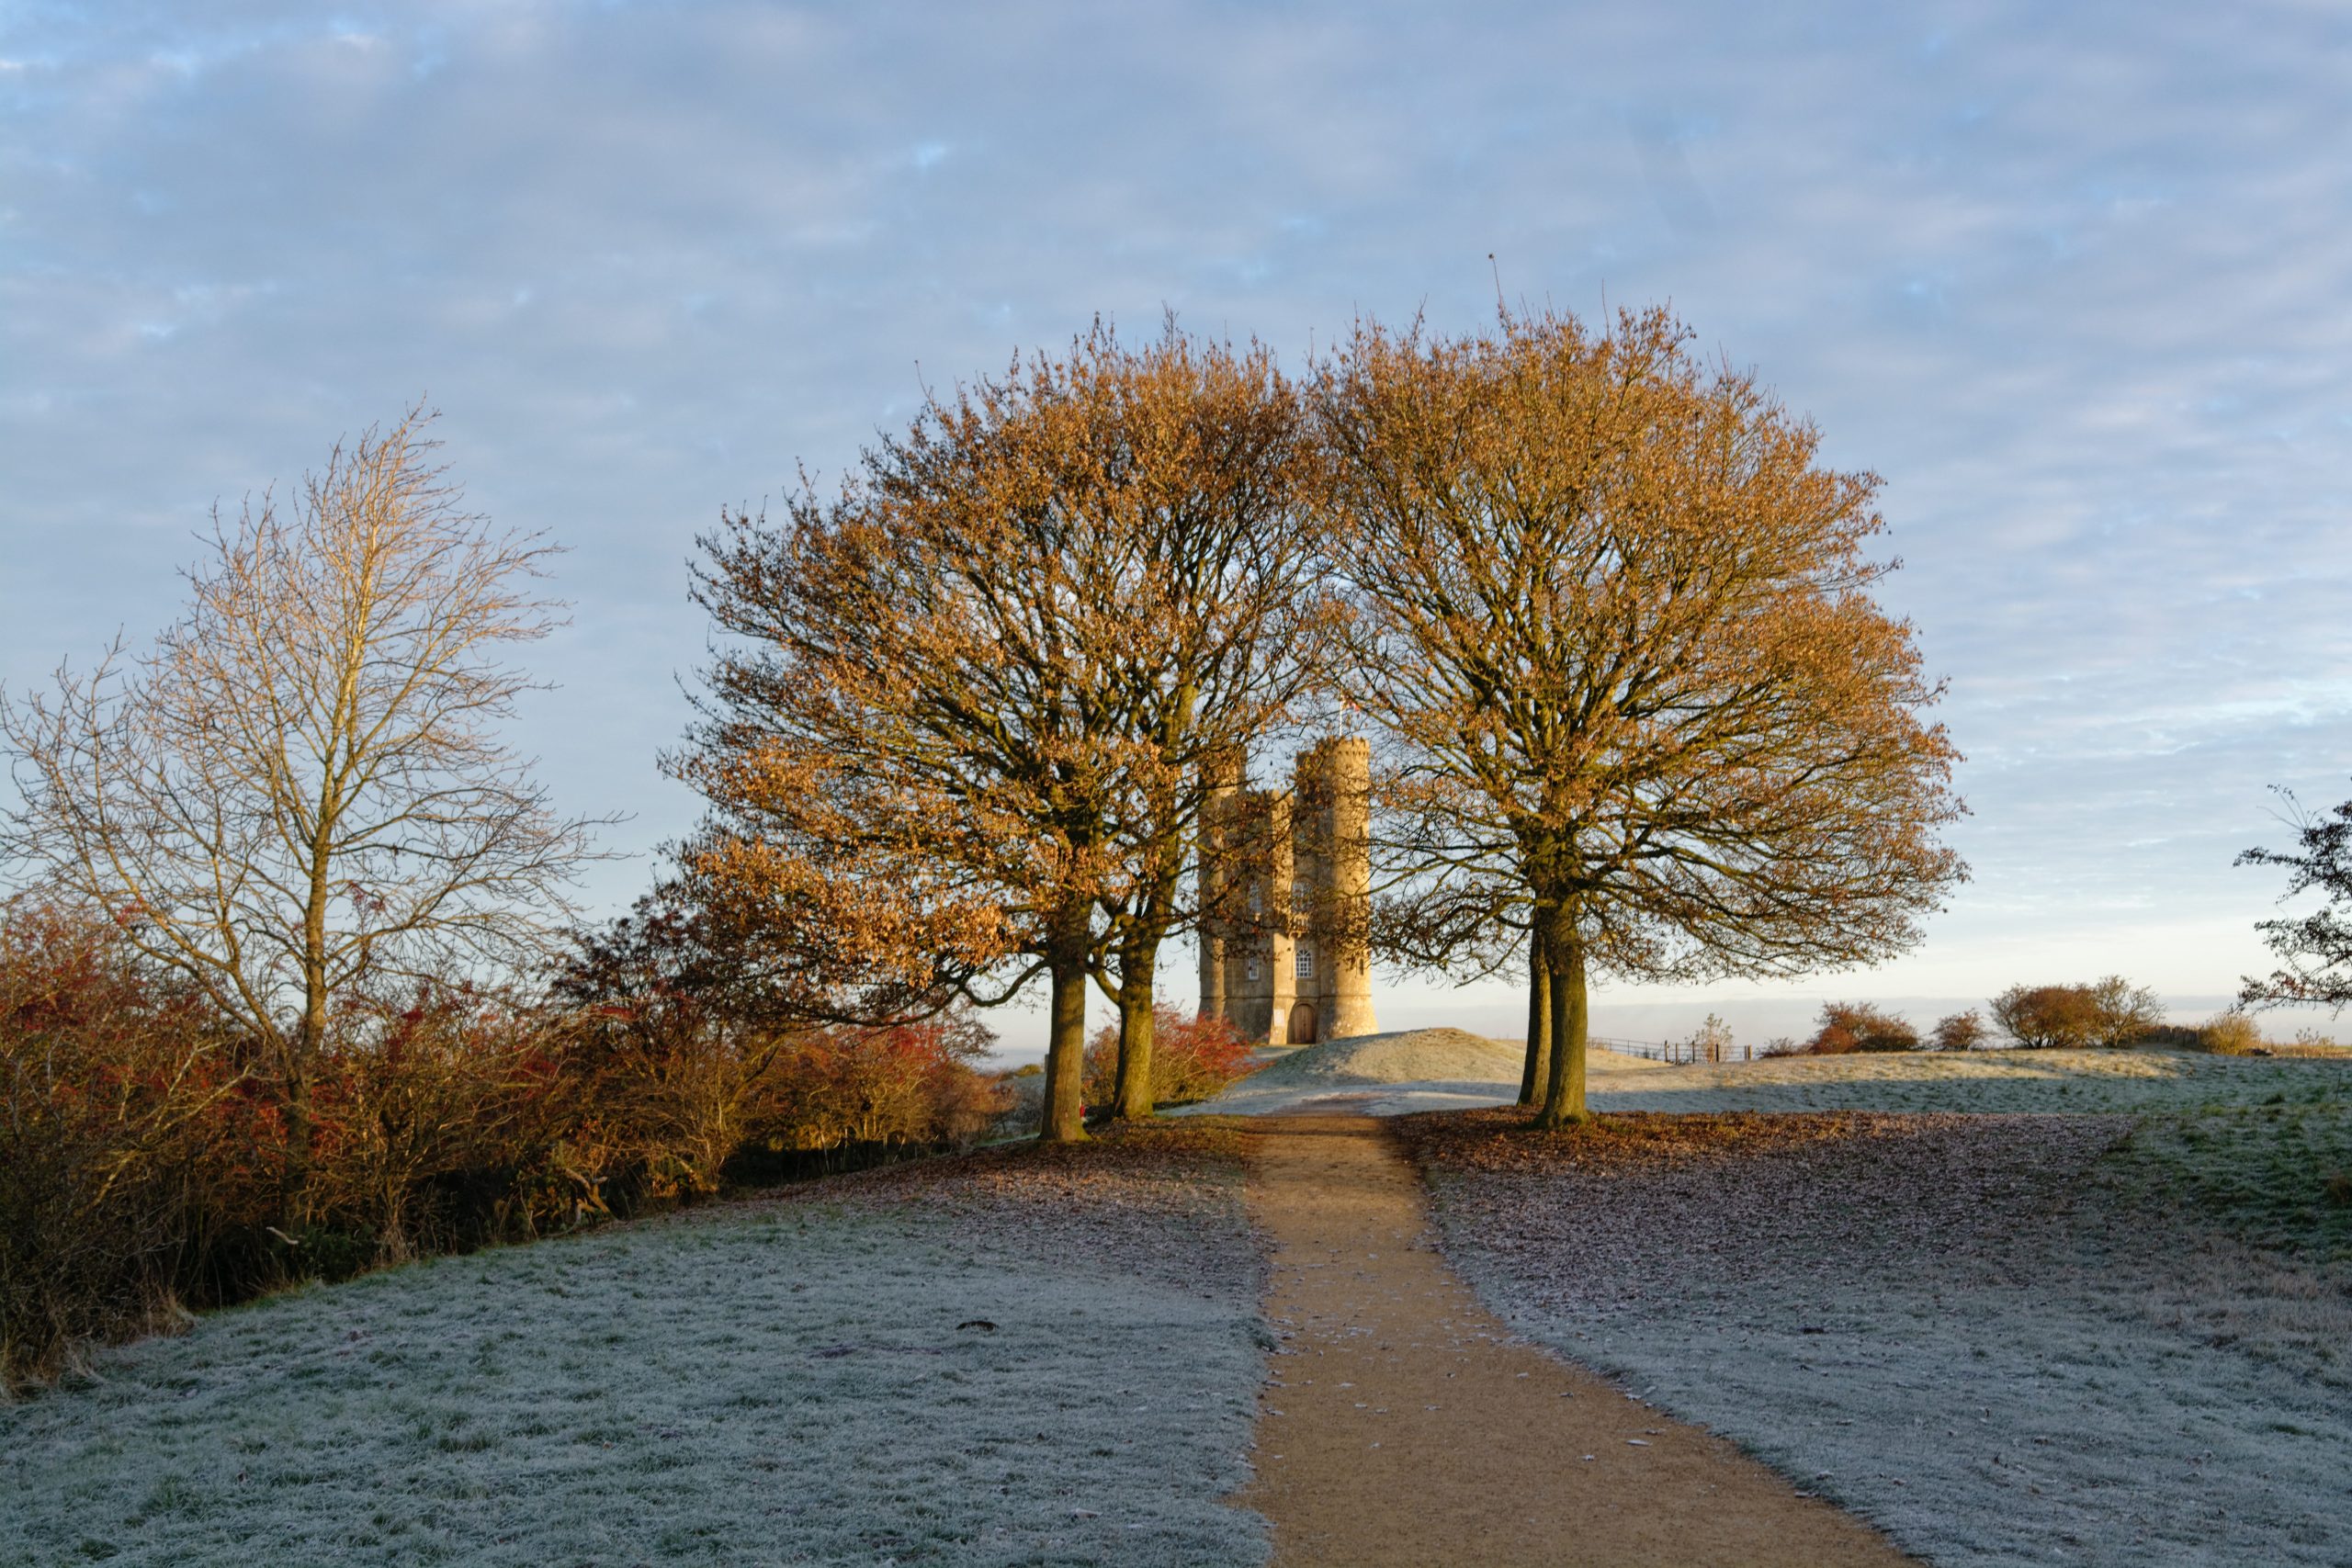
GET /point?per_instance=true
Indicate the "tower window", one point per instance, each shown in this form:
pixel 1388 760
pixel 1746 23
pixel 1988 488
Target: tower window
pixel 1305 962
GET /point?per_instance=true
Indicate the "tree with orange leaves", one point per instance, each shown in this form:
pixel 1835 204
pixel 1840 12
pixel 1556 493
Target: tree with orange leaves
pixel 1616 627
pixel 959 739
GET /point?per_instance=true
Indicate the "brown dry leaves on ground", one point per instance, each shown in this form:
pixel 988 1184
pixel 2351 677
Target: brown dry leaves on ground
pixel 1623 1208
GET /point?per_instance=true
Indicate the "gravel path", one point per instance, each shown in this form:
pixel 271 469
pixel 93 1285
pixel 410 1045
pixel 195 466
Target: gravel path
pixel 1953 1324
pixel 1405 1426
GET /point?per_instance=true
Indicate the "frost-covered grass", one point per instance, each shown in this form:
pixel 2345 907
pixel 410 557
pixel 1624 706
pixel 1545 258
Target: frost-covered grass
pixel 2276 1173
pixel 1450 1069
pixel 2005 1339
pixel 2028 1082
pixel 1009 1361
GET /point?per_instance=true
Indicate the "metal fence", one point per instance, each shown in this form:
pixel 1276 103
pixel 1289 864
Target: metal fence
pixel 1675 1053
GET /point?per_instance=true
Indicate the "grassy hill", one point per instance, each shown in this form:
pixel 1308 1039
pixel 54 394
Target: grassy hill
pixel 1027 1357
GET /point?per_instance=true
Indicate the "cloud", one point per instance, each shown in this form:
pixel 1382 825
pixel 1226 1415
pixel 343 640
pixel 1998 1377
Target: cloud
pixel 2073 279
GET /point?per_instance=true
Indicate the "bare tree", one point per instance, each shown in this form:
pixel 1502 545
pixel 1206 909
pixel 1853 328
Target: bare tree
pixel 301 787
pixel 1618 632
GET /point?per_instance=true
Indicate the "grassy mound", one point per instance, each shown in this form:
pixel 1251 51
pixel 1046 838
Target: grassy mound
pixel 1410 1056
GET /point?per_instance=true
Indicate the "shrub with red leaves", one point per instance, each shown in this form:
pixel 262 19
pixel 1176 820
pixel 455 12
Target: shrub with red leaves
pixel 696 1073
pixel 1192 1057
pixel 144 1166
pixel 128 1134
pixel 912 1086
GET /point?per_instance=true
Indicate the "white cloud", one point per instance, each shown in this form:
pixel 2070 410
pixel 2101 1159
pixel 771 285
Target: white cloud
pixel 2073 279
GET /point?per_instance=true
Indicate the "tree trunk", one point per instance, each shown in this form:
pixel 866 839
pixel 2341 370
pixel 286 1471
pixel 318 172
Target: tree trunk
pixel 309 1039
pixel 300 1061
pixel 294 1176
pixel 1064 1117
pixel 1138 969
pixel 1564 1090
pixel 1535 1078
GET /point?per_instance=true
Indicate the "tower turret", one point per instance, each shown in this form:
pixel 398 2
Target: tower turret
pixel 1286 900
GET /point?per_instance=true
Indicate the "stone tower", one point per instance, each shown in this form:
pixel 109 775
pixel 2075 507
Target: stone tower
pixel 1285 885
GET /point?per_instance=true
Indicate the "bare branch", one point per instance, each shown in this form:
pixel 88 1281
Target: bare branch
pixel 301 786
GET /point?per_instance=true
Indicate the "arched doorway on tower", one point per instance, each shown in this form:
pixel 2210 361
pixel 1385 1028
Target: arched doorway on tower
pixel 1302 1023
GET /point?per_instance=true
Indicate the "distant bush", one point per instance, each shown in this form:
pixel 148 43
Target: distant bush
pixel 1958 1031
pixel 2230 1033
pixel 1192 1057
pixel 1857 1026
pixel 2046 1016
pixel 2112 1012
pixel 2317 1042
pixel 1781 1046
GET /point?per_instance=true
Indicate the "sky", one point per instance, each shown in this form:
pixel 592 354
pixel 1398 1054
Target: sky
pixel 2075 280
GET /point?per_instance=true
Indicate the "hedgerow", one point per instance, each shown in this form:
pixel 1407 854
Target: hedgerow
pixel 145 1166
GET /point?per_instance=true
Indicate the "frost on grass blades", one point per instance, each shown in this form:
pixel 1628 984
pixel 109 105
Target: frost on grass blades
pixel 2100 1337
pixel 1980 1082
pixel 1020 1364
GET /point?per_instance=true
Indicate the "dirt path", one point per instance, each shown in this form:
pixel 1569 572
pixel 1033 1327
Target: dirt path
pixel 1405 1428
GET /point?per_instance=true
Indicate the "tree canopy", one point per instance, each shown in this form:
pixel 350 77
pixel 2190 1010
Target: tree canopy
pixel 962 732
pixel 1616 629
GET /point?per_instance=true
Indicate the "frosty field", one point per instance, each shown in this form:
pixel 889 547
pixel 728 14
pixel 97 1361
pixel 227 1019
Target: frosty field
pixel 2002 1338
pixel 1042 1360
pixel 1446 1069
pixel 1389 1075
pixel 2082 1307
pixel 1979 1081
